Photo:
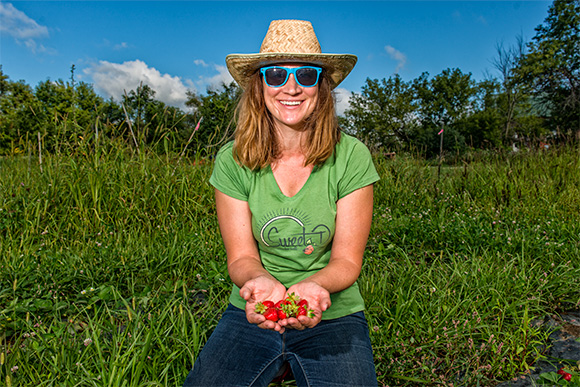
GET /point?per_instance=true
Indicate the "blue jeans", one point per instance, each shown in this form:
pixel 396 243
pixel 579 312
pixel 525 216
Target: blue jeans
pixel 334 353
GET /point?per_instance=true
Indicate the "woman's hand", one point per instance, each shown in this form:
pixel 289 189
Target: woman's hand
pixel 259 289
pixel 318 300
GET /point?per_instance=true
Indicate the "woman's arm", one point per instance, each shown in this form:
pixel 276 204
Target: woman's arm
pixel 354 214
pixel 244 265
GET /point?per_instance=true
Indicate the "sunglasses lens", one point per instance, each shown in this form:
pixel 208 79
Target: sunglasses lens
pixel 275 76
pixel 307 76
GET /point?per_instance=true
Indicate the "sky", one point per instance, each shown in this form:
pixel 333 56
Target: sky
pixel 176 46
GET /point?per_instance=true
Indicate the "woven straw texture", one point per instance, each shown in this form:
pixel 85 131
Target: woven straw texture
pixel 290 41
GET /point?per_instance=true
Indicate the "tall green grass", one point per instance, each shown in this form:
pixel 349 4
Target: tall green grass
pixel 462 267
pixel 112 269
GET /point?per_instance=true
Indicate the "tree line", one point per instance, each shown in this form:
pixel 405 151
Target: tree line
pixel 535 99
pixel 62 112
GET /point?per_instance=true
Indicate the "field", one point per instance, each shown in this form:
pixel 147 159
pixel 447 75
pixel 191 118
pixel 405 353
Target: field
pixel 112 270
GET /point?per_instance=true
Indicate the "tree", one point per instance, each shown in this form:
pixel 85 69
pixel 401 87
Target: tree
pixel 445 101
pixel 67 111
pixel 552 66
pixel 447 98
pixel 64 112
pixel 384 113
pixel 512 91
pixel 152 121
pixel 217 108
pixel 4 82
pixel 483 127
pixel 18 120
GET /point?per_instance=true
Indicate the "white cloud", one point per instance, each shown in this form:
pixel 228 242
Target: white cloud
pixel 120 46
pixel 23 29
pixel 200 62
pixel 115 47
pixel 113 79
pixel 216 81
pixel 18 25
pixel 398 56
pixel 341 98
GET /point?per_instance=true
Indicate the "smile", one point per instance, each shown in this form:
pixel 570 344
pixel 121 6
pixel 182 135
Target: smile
pixel 291 103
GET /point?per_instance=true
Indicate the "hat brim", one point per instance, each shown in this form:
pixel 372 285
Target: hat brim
pixel 242 66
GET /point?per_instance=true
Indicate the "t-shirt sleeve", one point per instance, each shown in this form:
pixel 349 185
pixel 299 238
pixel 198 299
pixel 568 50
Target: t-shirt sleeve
pixel 228 176
pixel 359 169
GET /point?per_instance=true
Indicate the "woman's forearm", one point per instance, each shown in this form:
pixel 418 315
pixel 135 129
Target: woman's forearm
pixel 337 275
pixel 244 269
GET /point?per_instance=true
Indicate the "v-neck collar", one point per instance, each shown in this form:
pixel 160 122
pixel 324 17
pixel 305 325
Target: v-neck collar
pixel 279 190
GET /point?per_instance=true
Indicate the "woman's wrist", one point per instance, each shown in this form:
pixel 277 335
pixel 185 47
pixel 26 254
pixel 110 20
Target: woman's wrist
pixel 246 269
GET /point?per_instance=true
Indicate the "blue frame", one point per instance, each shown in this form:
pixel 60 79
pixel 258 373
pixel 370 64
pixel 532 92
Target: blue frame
pixel 291 70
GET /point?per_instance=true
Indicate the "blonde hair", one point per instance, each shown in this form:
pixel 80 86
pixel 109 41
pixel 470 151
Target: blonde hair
pixel 255 142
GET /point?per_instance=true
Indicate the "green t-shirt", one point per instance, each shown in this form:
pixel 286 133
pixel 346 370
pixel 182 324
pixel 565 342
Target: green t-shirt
pixel 294 234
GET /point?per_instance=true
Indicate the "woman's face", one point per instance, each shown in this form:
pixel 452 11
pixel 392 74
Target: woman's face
pixel 290 104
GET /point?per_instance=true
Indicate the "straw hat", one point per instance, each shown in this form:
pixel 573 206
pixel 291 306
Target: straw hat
pixel 290 41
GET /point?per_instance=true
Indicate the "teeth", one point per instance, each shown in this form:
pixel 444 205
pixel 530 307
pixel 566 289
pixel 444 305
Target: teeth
pixel 290 103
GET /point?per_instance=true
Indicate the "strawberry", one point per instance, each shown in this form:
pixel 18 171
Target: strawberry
pixel 292 299
pixel 268 304
pixel 271 314
pixel 302 311
pixel 561 371
pixel 261 307
pixel 291 306
pixel 566 376
pixel 281 314
pixel 279 304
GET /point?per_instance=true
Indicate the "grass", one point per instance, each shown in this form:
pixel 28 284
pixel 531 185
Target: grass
pixel 112 270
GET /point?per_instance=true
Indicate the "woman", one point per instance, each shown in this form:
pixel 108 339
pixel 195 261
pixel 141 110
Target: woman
pixel 294 202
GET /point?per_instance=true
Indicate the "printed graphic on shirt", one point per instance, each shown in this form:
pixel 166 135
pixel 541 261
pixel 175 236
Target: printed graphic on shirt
pixel 291 230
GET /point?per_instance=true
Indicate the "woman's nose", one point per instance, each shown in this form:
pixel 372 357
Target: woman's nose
pixel 291 86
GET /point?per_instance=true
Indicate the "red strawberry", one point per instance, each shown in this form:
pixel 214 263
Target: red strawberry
pixel 302 311
pixel 279 304
pixel 261 308
pixel 271 314
pixel 303 303
pixel 292 299
pixel 281 314
pixel 567 377
pixel 268 303
pixel 561 371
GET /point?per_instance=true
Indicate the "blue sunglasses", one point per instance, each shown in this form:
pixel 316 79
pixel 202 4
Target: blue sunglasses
pixel 277 76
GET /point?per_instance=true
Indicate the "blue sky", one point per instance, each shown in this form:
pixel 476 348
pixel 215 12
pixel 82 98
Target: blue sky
pixel 177 46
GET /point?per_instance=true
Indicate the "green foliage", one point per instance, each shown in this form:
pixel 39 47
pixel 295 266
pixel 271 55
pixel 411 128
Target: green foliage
pixel 568 376
pixel 394 114
pixel 112 269
pixel 384 113
pixel 459 268
pixel 483 126
pixel 518 120
pixel 152 122
pixel 444 101
pixel 446 98
pixel 551 68
pixel 217 107
pixel 62 112
pixel 113 277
